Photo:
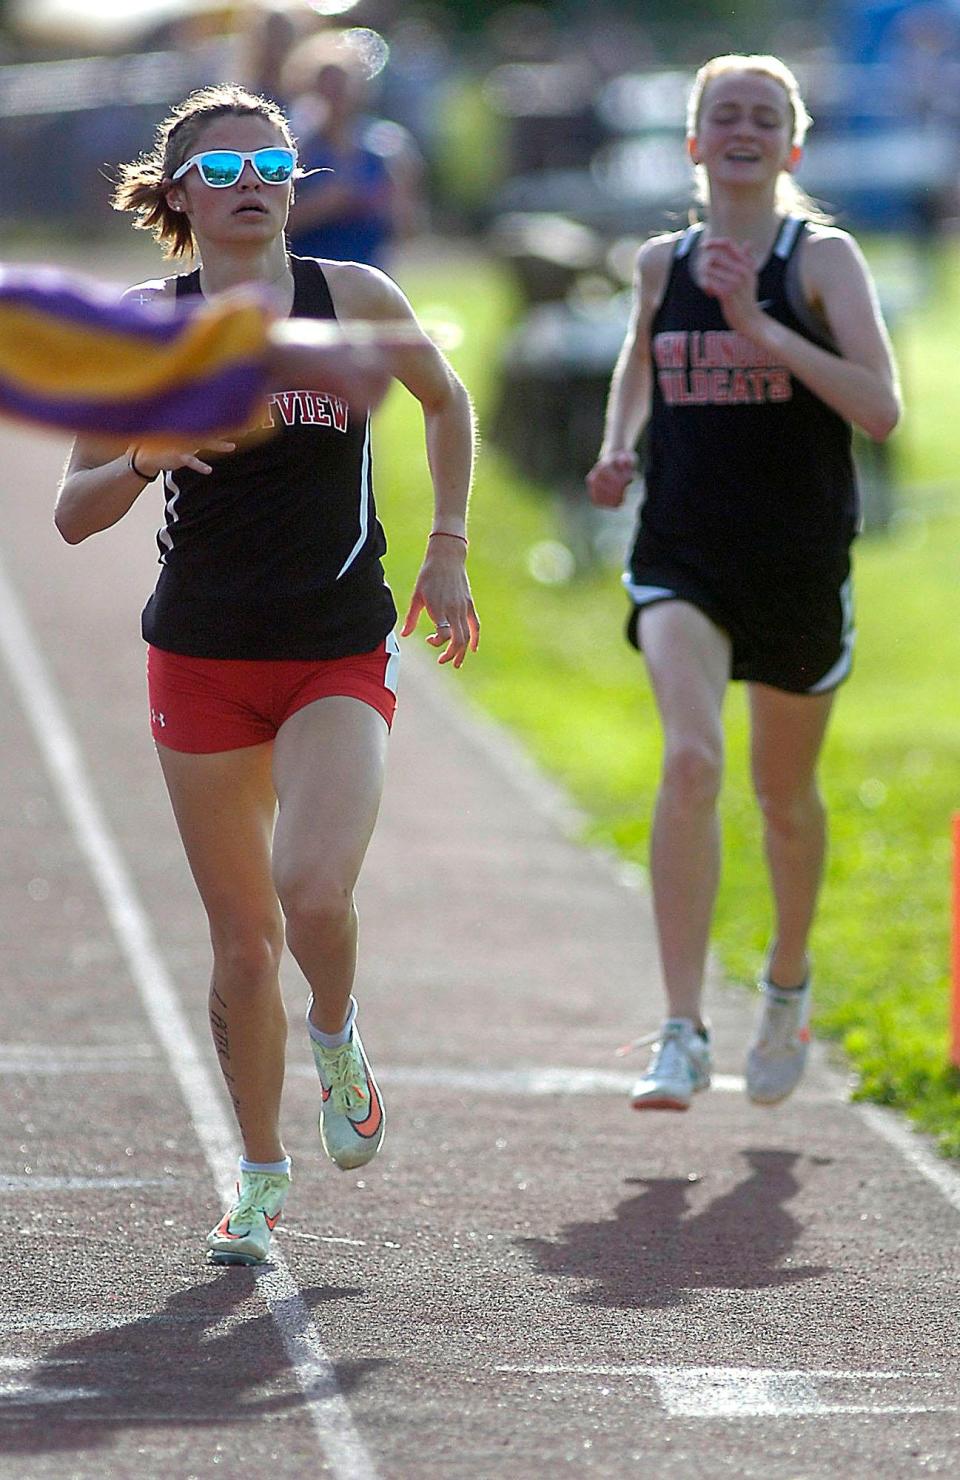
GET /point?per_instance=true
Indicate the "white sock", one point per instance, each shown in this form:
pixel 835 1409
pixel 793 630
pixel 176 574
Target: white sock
pixel 333 1040
pixel 278 1168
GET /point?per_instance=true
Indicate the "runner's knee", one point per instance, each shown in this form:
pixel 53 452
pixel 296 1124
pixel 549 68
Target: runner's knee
pixel 245 952
pixel 692 773
pixel 791 814
pixel 315 899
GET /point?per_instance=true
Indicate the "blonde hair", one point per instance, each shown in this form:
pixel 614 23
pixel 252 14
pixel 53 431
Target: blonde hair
pixel 144 182
pixel 791 199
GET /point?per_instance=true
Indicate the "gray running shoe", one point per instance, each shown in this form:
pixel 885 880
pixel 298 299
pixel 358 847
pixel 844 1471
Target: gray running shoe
pixel 777 1056
pixel 679 1068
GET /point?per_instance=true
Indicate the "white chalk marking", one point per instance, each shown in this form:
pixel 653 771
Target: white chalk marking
pixel 17 1391
pixel 915 1151
pixel 339 1439
pixel 535 1082
pixel 24 1364
pixel 322 1238
pixel 747 1392
pixel 30 1393
pixel 552 1080
pixel 87 1320
pixel 38 1058
pixel 30 1183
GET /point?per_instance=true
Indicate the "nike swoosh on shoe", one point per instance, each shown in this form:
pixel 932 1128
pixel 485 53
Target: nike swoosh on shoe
pixel 372 1120
pixel 225 1231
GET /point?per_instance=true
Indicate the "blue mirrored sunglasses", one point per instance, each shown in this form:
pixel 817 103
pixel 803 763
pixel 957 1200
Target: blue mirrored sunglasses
pixel 222 167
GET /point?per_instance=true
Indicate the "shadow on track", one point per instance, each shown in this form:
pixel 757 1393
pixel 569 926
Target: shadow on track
pixel 204 1359
pixel 655 1251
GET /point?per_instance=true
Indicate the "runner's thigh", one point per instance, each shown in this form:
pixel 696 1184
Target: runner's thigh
pixel 688 659
pixel 225 806
pixel 328 769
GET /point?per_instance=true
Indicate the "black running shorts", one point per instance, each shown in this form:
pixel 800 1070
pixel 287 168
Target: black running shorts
pixel 789 617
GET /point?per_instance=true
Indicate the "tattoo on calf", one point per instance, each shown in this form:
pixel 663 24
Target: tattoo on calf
pixel 221 1040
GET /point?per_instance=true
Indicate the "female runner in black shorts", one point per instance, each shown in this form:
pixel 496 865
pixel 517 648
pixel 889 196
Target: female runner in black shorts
pixel 755 341
pixel 272 657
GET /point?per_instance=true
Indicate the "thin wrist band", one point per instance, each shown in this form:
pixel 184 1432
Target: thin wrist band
pixel 448 534
pixel 132 465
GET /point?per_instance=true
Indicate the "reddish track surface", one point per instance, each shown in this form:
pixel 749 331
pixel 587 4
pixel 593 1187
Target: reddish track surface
pixel 531 1280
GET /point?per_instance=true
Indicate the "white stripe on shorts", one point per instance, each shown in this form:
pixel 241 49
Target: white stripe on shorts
pixel 391 674
pixel 844 663
pixel 643 595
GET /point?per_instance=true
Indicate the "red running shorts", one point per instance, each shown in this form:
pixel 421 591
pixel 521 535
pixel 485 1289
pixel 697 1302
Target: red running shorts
pixel 205 705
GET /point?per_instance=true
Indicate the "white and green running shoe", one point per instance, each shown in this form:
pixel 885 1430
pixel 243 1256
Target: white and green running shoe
pixel 679 1068
pixel 243 1234
pixel 777 1056
pixel 352 1119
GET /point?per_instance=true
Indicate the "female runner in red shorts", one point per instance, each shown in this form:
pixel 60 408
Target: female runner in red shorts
pixel 272 657
pixel 755 342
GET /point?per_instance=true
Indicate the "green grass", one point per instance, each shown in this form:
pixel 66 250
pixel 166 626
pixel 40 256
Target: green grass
pixel 553 667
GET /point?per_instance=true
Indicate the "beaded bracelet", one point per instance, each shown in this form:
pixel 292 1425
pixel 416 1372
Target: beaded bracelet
pixel 132 465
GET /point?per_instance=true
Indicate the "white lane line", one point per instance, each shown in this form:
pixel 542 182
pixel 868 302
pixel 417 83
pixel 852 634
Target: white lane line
pixel 24 1364
pixel 535 1081
pixel 18 1391
pixel 339 1439
pixel 39 1058
pixel 651 1369
pixel 78 1052
pixel 915 1151
pixel 749 1392
pixel 16 1394
pixel 553 1080
pixel 31 1183
pixel 87 1320
pixel 322 1238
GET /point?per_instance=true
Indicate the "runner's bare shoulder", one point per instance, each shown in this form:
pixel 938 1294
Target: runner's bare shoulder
pixel 360 291
pixel 653 267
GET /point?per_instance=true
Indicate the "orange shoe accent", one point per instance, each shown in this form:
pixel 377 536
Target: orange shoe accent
pixel 663 1104
pixel 372 1121
pixel 271 1222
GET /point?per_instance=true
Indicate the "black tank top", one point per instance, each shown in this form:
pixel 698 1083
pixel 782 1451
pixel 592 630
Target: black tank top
pixel 276 553
pixel 740 452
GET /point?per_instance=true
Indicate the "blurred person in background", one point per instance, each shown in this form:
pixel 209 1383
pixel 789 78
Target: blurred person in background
pixel 270 34
pixel 755 342
pixel 367 193
pixel 272 659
